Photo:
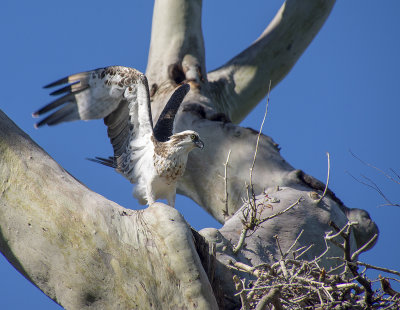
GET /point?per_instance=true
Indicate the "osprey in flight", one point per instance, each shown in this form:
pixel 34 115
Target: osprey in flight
pixel 151 157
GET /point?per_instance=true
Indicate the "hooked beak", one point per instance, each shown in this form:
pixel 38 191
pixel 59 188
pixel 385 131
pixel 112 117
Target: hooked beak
pixel 199 144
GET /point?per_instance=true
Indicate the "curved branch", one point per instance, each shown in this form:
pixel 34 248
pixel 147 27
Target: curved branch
pixel 52 227
pixel 176 46
pixel 240 84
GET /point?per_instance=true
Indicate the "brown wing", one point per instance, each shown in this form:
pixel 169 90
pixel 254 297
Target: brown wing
pixel 89 95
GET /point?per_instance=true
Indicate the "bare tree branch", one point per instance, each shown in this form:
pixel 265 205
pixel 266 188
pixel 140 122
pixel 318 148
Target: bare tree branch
pixel 176 49
pixel 240 84
pixel 375 187
pixel 226 212
pixel 53 227
pixel 327 178
pixel 364 247
pixel 149 257
pixel 377 169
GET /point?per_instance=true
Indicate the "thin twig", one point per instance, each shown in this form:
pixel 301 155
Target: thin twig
pixel 395 173
pixel 327 248
pixel 375 188
pixel 239 285
pixel 258 137
pixel 281 212
pixel 293 244
pixel 341 232
pixel 226 212
pixel 320 298
pixel 284 270
pixel 279 246
pixel 239 245
pixel 369 266
pixel 271 298
pixel 333 270
pixel 252 222
pixel 377 169
pixel 366 245
pixel 305 251
pixel 327 178
pixel 252 270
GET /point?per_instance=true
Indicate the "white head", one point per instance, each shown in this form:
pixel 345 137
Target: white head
pixel 187 139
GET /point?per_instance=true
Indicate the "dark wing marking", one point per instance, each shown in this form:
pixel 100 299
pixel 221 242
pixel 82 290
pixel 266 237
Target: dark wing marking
pixel 118 128
pixel 79 83
pixel 68 79
pixel 65 114
pixel 74 87
pixel 89 95
pixel 55 104
pixel 109 162
pixel 165 123
pixel 118 94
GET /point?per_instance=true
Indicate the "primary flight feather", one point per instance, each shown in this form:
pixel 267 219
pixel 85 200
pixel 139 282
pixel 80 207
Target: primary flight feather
pixel 150 156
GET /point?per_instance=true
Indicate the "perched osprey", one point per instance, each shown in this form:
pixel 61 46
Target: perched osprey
pixel 151 157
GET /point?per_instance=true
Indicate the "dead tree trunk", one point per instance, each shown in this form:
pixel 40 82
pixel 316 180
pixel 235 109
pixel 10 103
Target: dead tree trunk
pixel 84 251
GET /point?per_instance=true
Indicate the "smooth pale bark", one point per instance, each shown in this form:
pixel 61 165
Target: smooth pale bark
pixel 85 251
pixel 239 85
pixel 229 92
pixel 176 39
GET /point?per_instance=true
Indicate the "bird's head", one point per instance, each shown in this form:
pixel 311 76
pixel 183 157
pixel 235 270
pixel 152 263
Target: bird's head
pixel 187 139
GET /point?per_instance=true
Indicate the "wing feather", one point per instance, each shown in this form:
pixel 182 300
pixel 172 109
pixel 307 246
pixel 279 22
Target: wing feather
pixel 120 96
pixel 119 128
pixel 93 94
pixel 65 114
pixel 109 162
pixel 54 104
pixel 68 79
pixel 144 117
pixel 71 88
pixel 165 123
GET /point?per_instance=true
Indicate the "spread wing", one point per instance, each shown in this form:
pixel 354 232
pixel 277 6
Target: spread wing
pixel 165 123
pixel 90 95
pixel 118 94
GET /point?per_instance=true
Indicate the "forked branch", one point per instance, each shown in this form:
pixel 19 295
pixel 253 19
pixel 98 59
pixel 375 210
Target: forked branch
pixel 176 46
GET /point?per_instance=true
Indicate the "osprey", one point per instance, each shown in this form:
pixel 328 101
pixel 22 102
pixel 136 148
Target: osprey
pixel 151 157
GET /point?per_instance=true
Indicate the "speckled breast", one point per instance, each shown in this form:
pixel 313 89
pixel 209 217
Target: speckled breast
pixel 169 168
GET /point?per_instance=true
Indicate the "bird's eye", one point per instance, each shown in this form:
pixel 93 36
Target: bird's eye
pixel 193 137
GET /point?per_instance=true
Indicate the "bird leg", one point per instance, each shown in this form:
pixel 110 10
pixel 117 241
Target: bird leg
pixel 171 199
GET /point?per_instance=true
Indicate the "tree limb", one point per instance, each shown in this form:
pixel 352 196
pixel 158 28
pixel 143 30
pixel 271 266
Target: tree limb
pixel 53 227
pixel 239 85
pixel 176 49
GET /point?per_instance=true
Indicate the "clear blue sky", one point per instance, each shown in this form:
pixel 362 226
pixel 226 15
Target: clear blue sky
pixel 342 94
